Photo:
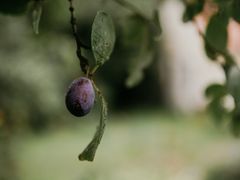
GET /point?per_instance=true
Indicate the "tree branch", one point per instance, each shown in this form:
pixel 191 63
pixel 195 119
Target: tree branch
pixel 83 61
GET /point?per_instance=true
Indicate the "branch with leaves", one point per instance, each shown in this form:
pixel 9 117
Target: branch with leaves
pixel 102 44
pixel 216 40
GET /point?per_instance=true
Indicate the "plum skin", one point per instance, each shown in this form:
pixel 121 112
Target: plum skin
pixel 80 97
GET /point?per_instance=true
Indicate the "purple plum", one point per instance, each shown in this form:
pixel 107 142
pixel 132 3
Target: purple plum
pixel 80 97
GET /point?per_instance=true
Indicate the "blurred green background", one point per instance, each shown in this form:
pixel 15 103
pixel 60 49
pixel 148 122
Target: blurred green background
pixel 145 138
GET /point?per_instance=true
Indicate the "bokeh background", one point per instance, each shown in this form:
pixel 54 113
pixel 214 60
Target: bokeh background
pixel 158 127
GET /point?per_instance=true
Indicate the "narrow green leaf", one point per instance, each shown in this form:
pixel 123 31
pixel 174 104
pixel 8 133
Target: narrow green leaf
pixel 103 37
pixel 36 16
pixel 216 34
pixel 89 152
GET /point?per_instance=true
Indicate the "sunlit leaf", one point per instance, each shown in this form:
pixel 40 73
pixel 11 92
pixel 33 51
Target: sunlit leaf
pixel 103 37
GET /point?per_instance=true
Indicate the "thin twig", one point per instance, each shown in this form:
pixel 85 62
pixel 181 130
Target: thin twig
pixel 83 61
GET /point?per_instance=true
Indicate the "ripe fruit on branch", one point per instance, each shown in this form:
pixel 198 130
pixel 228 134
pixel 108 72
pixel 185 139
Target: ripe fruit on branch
pixel 80 97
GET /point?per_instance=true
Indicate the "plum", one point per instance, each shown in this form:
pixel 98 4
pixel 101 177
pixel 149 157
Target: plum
pixel 80 97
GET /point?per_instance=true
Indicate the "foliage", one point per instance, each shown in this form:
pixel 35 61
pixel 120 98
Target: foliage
pixel 216 40
pixel 140 31
pixel 102 38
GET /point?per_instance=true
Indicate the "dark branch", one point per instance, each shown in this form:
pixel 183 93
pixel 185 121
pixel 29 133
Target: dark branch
pixel 83 61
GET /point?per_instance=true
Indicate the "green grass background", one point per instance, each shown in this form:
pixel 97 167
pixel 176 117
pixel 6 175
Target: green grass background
pixel 136 145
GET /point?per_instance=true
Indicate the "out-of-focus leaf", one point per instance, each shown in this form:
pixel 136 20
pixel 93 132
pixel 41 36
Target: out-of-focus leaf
pixel 103 37
pixel 217 110
pixel 192 9
pixel 210 52
pixel 136 73
pixel 137 39
pixel 216 33
pixel 235 123
pixel 143 8
pixel 157 25
pixel 215 90
pixel 13 7
pixel 236 10
pixel 233 83
pixel 36 16
pixel 89 152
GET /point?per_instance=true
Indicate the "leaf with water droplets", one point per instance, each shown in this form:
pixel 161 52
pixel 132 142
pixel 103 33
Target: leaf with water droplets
pixel 103 37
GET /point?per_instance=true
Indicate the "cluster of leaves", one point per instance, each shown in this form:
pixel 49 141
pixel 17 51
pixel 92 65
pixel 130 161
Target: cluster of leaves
pixel 215 40
pixel 140 31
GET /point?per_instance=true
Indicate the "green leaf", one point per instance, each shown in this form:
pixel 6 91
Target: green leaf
pixel 216 109
pixel 36 16
pixel 89 152
pixel 215 90
pixel 192 9
pixel 236 10
pixel 233 83
pixel 216 33
pixel 137 39
pixel 103 37
pixel 137 67
pixel 210 52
